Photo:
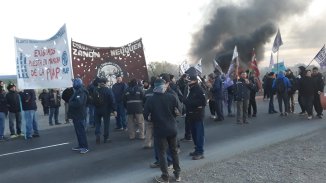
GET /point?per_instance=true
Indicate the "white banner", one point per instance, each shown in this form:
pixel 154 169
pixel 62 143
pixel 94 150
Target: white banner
pixel 44 63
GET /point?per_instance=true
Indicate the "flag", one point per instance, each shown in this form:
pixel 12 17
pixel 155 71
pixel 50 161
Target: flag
pixel 232 71
pixel 271 62
pixel 279 67
pixel 277 41
pixel 321 57
pixel 217 67
pixel 198 67
pixel 253 64
pixel 183 67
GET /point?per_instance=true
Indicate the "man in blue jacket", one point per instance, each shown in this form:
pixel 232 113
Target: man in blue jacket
pixel 282 86
pixel 118 89
pixel 77 112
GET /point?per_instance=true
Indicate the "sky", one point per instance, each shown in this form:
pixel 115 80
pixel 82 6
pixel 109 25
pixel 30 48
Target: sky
pixel 166 27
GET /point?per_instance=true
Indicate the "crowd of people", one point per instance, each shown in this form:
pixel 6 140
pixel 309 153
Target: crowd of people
pixel 147 110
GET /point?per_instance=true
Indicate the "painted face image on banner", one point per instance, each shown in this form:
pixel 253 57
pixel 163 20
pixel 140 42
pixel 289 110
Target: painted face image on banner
pixel 110 71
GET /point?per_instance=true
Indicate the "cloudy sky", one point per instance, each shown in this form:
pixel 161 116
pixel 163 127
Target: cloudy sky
pixel 167 27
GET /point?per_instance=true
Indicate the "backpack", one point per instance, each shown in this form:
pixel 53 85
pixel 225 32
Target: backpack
pixel 280 86
pixel 98 98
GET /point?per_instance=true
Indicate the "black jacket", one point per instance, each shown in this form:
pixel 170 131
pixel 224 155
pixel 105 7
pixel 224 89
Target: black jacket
pixel 319 83
pixel 133 100
pixel 44 97
pixel 28 98
pixel 195 103
pixel 77 104
pixel 13 101
pixel 3 102
pixel 54 102
pixel 242 90
pixel 307 86
pixel 161 109
pixel 109 104
pixel 67 93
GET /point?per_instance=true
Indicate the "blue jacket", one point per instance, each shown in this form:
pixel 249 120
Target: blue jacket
pixel 118 90
pixel 77 104
pixel 286 81
pixel 218 88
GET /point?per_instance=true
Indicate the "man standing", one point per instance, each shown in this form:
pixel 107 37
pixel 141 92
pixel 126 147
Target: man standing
pixel 77 112
pixel 3 111
pixel 269 89
pixel 118 90
pixel 242 93
pixel 195 106
pixel 319 87
pixel 282 86
pixel 307 88
pixel 291 92
pixel 43 97
pixel 160 109
pixel 104 103
pixel 133 101
pixel 28 98
pixel 13 99
pixel 252 99
pixel 66 95
pixel 54 103
pixel 218 95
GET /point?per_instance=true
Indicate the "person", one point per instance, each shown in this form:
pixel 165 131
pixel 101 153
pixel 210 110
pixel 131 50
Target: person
pixel 160 110
pixel 319 87
pixel 195 106
pixel 145 86
pixel 133 102
pixel 66 95
pixel 28 99
pixel 118 89
pixel 104 105
pixel 282 86
pixel 242 88
pixel 210 96
pixel 77 112
pixel 218 95
pixel 90 102
pixel 270 91
pixel 54 100
pixel 307 88
pixel 252 99
pixel 266 92
pixel 13 101
pixel 3 111
pixel 302 74
pixel 291 92
pixel 43 97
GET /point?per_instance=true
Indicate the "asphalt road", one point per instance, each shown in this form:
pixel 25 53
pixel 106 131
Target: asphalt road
pixel 50 159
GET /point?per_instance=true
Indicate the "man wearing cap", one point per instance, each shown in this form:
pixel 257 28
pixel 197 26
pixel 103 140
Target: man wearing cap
pixel 77 112
pixel 13 101
pixel 195 107
pixel 28 100
pixel 3 111
pixel 161 110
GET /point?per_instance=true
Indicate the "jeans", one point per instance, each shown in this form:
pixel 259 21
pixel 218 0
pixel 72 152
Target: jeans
pixel 156 151
pixel 106 121
pixel 163 144
pixel 18 118
pixel 253 104
pixel 80 133
pixel 242 107
pixel 291 103
pixel 54 112
pixel 121 116
pixel 271 108
pixel 283 98
pixel 198 136
pixel 229 102
pixel 2 123
pixel 91 116
pixel 219 109
pixel 31 123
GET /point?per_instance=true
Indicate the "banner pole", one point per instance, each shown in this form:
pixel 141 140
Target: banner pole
pixel 277 62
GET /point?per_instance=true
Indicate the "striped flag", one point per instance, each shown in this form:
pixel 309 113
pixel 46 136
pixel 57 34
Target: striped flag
pixel 217 67
pixel 321 57
pixel 253 63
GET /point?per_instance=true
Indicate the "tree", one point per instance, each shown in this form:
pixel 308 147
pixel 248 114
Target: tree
pixel 157 68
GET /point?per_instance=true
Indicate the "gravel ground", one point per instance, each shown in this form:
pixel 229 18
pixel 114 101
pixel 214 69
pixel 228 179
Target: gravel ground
pixel 301 159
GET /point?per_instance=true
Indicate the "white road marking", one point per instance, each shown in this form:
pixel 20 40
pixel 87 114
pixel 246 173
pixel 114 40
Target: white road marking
pixel 28 150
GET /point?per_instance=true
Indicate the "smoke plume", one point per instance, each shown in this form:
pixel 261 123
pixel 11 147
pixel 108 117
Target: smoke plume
pixel 248 26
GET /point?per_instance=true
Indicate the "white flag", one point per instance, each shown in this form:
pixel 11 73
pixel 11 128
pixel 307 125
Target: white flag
pixel 198 67
pixel 183 67
pixel 321 57
pixel 271 63
pixel 217 67
pixel 234 64
pixel 277 41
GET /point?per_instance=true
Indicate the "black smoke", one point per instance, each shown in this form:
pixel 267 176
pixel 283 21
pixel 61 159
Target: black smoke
pixel 249 25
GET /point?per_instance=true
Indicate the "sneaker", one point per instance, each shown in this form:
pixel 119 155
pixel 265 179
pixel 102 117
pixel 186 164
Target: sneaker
pixel 198 157
pixel 178 178
pixel 35 135
pixel 98 139
pixel 57 123
pixel 309 117
pixel 302 113
pixel 213 116
pixel 285 114
pixel 13 136
pixel 193 154
pixel 21 135
pixel 282 114
pixel 118 129
pixel 51 124
pixel 75 148
pixel 186 140
pixel 320 116
pixel 155 165
pixel 161 180
pixel 83 150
